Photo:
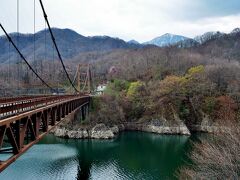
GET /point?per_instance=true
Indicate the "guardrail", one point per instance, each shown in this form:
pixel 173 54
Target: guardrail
pixel 21 131
pixel 13 106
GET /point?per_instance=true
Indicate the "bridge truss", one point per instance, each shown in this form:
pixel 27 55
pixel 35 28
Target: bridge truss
pixel 28 119
pixel 24 120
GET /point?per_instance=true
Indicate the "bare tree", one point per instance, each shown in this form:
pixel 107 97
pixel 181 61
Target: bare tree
pixel 218 158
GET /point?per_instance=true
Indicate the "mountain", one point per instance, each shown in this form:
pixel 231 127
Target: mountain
pixel 69 43
pixel 208 36
pixel 235 31
pixel 187 43
pixel 225 46
pixel 205 38
pixel 133 42
pixel 166 40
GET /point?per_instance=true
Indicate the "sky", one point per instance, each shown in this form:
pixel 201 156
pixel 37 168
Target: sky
pixel 141 20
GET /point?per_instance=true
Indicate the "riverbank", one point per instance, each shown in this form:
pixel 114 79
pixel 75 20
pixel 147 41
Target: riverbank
pixel 75 130
pixel 103 131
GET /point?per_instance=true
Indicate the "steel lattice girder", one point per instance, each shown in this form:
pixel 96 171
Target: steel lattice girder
pixel 24 130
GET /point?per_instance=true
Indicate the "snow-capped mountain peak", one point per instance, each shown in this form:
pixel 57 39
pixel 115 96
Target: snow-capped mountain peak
pixel 236 30
pixel 166 40
pixel 208 36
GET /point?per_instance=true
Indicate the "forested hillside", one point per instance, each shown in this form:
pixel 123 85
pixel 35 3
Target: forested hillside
pixel 194 84
pixel 199 86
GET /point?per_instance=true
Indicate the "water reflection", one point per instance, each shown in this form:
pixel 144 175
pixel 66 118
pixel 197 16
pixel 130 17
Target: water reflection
pixel 133 155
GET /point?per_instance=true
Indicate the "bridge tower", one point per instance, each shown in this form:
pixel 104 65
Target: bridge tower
pixel 84 78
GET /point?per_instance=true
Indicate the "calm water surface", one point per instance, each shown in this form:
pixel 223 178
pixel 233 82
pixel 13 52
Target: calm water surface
pixel 133 155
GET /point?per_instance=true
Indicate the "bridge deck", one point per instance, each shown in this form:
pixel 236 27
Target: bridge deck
pixel 26 120
pixel 15 106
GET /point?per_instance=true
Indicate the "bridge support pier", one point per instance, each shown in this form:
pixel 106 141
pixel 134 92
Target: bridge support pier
pixel 85 111
pixel 81 113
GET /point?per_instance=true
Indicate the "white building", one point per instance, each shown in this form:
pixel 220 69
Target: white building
pixel 100 89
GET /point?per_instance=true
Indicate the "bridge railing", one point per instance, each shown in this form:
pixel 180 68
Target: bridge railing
pixel 20 132
pixel 19 105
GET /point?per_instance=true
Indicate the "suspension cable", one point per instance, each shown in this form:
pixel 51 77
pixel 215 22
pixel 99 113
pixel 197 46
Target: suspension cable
pixel 18 60
pixel 74 79
pixel 45 43
pixel 52 63
pixel 21 55
pixel 56 47
pixel 34 31
pixel 8 63
pixel 85 82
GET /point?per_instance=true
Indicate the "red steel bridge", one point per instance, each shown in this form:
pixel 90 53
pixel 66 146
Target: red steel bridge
pixel 25 119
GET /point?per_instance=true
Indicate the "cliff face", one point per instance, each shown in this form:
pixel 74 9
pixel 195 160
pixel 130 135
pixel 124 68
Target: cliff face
pixel 158 126
pixel 102 131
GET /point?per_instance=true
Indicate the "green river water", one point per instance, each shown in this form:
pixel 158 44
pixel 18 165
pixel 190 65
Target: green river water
pixel 131 156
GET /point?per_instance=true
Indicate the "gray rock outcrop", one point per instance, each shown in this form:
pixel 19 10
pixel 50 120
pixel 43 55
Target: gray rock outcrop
pixel 162 126
pixel 181 129
pixel 73 134
pixel 101 131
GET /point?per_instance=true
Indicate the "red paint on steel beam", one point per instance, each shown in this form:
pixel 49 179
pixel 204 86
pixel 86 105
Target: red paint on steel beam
pixel 29 113
pixel 30 122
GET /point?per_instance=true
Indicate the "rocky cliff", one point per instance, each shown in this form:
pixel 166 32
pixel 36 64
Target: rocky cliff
pixel 102 131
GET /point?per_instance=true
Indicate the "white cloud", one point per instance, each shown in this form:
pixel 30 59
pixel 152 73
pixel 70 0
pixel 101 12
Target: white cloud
pixel 128 19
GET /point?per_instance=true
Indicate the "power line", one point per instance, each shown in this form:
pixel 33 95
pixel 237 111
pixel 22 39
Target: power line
pixel 74 79
pixel 30 67
pixel 55 44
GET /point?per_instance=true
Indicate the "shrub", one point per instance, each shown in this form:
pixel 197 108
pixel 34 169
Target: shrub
pixel 108 111
pixel 172 85
pixel 120 85
pixel 133 90
pixel 116 87
pixel 226 109
pixel 195 70
pixel 209 105
pixel 95 104
pixel 215 159
pixel 184 111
